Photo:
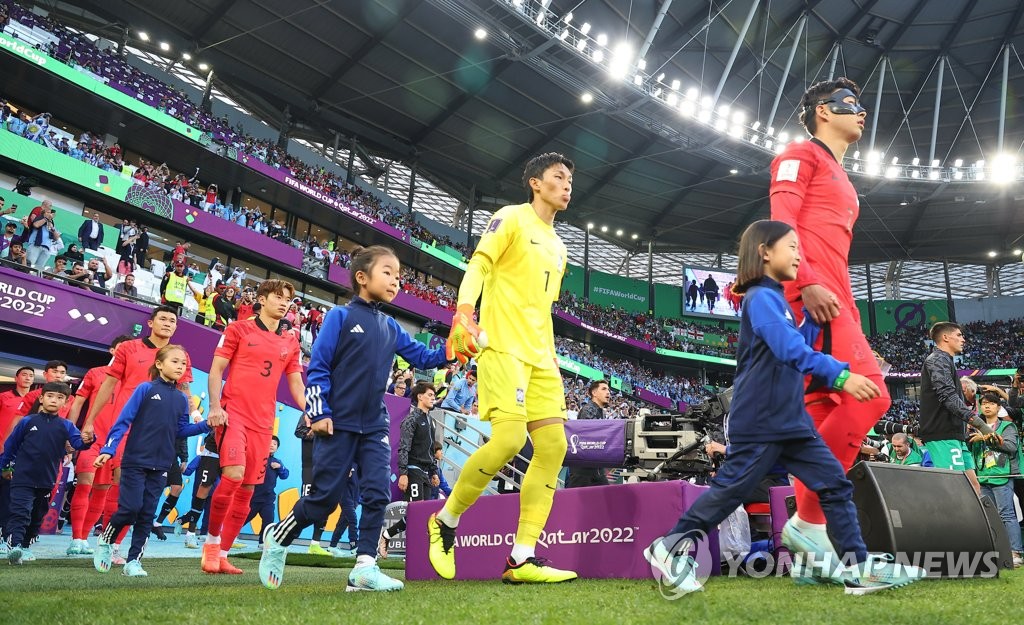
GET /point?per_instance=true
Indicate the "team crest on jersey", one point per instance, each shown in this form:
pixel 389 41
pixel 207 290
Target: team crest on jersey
pixel 284 354
pixel 520 397
pixel 493 226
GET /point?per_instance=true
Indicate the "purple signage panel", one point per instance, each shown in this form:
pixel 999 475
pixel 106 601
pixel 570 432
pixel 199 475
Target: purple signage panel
pixel 230 232
pixel 398 408
pixel 339 275
pixel 599 532
pixel 36 304
pixel 595 442
pixel 289 181
pixel 654 398
pixel 586 326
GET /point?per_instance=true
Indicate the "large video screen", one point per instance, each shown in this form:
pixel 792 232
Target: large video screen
pixel 707 292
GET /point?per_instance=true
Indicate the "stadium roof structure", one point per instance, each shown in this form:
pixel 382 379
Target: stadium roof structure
pixel 672 110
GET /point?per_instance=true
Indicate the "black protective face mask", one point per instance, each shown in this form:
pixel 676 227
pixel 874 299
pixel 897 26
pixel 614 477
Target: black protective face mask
pixel 838 105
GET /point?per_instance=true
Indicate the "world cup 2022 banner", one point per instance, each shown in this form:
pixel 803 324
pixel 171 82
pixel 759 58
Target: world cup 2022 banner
pixel 71 313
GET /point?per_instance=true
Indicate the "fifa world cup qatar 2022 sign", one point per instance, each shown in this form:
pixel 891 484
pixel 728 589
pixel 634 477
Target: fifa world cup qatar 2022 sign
pixel 54 308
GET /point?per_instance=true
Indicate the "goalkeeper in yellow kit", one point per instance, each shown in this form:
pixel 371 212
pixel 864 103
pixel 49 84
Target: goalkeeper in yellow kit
pixel 517 267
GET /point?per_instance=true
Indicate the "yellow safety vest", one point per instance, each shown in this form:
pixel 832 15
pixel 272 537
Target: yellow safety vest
pixel 176 287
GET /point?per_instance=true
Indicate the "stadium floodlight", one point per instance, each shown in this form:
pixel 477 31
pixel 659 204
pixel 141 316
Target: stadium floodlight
pixel 636 236
pixel 641 64
pixel 598 56
pixel 736 131
pixel 1017 252
pixel 958 162
pixel 895 160
pixel 771 131
pixel 540 17
pixel 739 117
pixel 734 171
pixel 672 99
pixel 915 162
pixel 517 3
pixel 581 45
pixel 186 56
pixel 993 254
pixel 692 93
pixel 165 46
pixel 856 154
pixel 935 163
pixel 755 125
pixel 143 35
pixel 660 77
pixel 783 137
pixel 638 80
pixel 1004 168
pixel 604 228
pixel 704 116
pixel 892 172
pixel 687 107
pixel 676 84
pixel 602 39
pixel 856 167
pixel 933 174
pixel 564 34
pixel 587 97
pixel 480 34
pixel 203 67
pixel 915 174
pixel 622 59
pixel 590 225
pixel 720 125
pixel 706 102
pixel 568 17
pixel 958 174
pixel 585 28
pixel 618 232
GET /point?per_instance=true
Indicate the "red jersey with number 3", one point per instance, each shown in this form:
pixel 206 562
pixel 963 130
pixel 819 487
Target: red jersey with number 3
pixel 258 358
pixel 131 363
pixel 823 217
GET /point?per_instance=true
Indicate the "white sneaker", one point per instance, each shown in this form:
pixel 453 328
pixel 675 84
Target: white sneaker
pixel 676 573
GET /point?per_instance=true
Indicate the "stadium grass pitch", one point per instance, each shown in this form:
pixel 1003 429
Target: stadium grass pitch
pixel 176 592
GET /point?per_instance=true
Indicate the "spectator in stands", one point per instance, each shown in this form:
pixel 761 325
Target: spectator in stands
pixel 41 233
pixel 10 234
pixel 16 255
pixel 127 289
pixel 224 306
pixel 90 233
pixel 59 269
pixel 142 247
pixel 599 393
pixel 74 253
pixel 7 211
pixel 92 275
pixel 461 394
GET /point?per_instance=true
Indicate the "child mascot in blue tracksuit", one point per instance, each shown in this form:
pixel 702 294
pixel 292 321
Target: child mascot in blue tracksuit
pixel 158 414
pixel 36 445
pixel 347 378
pixel 769 424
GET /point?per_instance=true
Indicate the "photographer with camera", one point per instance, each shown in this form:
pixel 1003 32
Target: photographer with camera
pixel 600 395
pixel 995 461
pixel 1015 413
pixel 1013 398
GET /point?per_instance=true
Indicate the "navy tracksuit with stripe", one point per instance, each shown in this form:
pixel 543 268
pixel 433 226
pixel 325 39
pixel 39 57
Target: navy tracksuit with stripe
pixel 158 415
pixel 36 445
pixel 348 374
pixel 769 424
pixel 264 497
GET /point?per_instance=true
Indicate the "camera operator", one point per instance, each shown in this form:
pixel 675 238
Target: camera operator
pixel 1015 414
pixel 905 451
pixel 600 395
pixel 1014 398
pixel 995 461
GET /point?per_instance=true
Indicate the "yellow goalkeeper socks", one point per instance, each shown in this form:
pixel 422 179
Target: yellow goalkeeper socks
pixel 540 482
pixel 507 438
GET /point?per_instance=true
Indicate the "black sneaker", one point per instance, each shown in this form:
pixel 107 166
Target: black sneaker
pixel 158 531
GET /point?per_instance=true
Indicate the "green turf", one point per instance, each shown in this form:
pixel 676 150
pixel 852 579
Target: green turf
pixel 70 591
pixel 324 562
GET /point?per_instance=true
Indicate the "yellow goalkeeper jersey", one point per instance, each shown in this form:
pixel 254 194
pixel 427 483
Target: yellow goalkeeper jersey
pixel 520 260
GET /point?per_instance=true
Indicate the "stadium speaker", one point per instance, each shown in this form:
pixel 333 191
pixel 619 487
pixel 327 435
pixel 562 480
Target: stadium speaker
pixel 930 518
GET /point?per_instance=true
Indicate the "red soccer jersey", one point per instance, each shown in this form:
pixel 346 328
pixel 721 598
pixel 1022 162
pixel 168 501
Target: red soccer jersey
pixel 30 400
pixel 10 402
pixel 90 386
pixel 130 365
pixel 825 209
pixel 258 359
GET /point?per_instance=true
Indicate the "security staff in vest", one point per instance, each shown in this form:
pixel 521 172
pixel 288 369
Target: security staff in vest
pixel 996 459
pixel 174 286
pixel 600 396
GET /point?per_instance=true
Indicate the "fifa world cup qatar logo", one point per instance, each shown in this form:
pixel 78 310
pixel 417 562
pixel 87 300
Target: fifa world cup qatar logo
pixel 574 442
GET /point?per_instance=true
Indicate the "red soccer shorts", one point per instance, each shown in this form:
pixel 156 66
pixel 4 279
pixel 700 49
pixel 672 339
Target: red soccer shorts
pixel 241 446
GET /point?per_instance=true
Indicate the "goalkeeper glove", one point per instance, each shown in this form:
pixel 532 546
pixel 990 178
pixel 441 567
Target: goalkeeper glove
pixel 464 341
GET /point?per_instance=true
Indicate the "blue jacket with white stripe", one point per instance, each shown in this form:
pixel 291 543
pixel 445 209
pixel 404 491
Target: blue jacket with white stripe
pixel 350 366
pixel 158 415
